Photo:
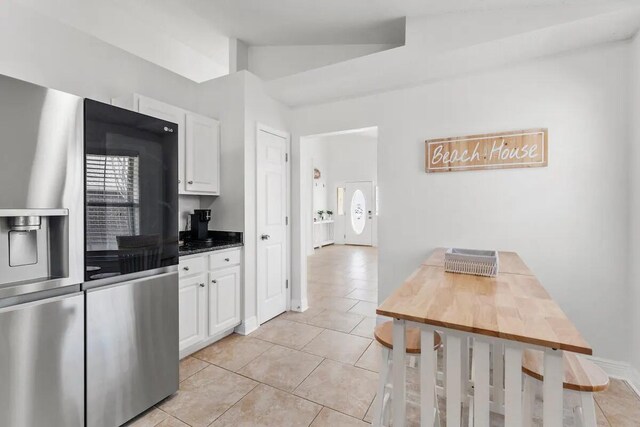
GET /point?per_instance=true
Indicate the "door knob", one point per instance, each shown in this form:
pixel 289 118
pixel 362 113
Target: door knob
pixel 265 237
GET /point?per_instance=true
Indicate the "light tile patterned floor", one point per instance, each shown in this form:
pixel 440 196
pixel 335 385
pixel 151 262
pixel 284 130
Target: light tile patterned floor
pixel 316 368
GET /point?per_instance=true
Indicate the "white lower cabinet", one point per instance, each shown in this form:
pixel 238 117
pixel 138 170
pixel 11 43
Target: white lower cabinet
pixel 224 299
pixel 192 310
pixel 209 302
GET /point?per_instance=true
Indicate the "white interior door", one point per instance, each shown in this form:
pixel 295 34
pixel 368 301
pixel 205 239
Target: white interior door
pixel 272 252
pixel 358 206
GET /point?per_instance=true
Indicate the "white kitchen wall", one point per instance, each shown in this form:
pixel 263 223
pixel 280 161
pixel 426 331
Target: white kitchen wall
pixel 633 305
pixel 187 205
pixel 568 221
pixel 317 188
pixel 318 151
pixel 43 51
pixel 223 98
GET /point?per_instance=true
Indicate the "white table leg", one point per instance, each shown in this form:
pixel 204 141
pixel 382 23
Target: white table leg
pixel 464 365
pixel 529 398
pixel 453 380
pixel 552 388
pixel 427 378
pixel 383 377
pixel 588 410
pixel 481 390
pixel 399 373
pixel 497 352
pixel 513 386
pixel 444 365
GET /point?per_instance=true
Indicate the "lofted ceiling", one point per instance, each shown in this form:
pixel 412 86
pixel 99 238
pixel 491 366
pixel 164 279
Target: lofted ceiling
pixel 313 22
pixel 192 37
pixel 485 40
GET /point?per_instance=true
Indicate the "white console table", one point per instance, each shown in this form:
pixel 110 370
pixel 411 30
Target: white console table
pixel 323 233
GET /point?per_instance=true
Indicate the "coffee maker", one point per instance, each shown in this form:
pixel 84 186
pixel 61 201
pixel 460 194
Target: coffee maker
pixel 200 225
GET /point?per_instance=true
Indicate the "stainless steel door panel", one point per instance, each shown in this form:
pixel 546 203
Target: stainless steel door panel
pixel 42 163
pixel 132 348
pixel 42 363
pixel 42 150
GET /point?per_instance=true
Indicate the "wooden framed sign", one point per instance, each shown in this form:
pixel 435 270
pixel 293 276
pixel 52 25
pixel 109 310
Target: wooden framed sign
pixel 517 149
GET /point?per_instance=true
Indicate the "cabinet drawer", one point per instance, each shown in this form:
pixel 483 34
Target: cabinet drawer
pixel 224 259
pixel 191 266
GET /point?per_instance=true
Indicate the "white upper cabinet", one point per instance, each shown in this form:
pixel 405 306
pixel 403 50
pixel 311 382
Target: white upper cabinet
pixel 202 155
pixel 198 143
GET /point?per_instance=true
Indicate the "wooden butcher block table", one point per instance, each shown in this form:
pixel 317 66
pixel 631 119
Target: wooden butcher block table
pixel 501 316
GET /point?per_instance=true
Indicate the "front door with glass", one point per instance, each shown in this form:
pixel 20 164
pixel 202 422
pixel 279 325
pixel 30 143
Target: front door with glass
pixel 358 205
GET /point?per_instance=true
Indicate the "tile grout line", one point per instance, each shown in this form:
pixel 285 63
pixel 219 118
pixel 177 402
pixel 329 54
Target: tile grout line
pixel 232 406
pixel 603 413
pixel 369 408
pixel 204 367
pixel 334 360
pixel 334 409
pixel 314 418
pixel 260 354
pixel 322 404
pixel 631 389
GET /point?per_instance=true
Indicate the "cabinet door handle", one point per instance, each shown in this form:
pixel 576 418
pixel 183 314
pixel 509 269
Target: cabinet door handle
pixel 202 285
pixel 189 182
pixel 214 281
pixel 265 237
pixel 185 268
pixel 179 181
pixel 227 259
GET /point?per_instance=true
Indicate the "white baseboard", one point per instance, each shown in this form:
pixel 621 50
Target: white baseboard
pixel 247 326
pixel 299 305
pixel 634 380
pixel 619 370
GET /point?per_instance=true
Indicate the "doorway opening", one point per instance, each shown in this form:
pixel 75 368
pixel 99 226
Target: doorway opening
pixel 340 219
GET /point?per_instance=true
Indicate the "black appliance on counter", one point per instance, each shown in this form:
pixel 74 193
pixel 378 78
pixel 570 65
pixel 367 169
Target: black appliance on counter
pixel 131 257
pixel 200 225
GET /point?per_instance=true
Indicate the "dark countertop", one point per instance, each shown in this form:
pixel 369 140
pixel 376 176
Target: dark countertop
pixel 221 240
pixel 184 251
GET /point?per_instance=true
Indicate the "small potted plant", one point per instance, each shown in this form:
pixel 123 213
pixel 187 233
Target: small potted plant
pixel 320 215
pixel 329 214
